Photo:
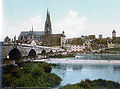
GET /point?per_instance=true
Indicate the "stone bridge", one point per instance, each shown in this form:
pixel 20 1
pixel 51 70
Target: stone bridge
pixel 14 51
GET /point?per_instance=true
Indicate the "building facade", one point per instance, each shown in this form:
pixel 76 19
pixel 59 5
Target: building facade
pixel 30 35
pixel 77 48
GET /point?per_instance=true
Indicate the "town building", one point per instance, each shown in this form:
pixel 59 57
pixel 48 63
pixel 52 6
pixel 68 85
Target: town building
pixel 91 37
pixel 87 43
pixel 114 42
pixel 55 40
pixel 111 45
pixel 92 44
pixel 77 48
pixel 75 45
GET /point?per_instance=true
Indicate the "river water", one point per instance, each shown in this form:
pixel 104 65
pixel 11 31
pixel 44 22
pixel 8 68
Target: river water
pixel 72 73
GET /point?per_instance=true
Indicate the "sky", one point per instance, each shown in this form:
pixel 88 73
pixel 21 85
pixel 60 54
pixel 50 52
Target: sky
pixel 74 17
pixel 0 20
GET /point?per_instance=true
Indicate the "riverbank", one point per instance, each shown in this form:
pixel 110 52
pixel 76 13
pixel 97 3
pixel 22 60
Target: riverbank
pixel 57 60
pixel 95 84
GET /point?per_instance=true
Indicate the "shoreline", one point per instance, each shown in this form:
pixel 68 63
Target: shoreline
pixel 57 61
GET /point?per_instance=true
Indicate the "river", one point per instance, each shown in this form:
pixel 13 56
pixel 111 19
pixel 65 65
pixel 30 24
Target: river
pixel 72 73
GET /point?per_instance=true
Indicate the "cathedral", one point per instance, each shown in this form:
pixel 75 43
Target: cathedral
pixel 45 37
pixel 37 35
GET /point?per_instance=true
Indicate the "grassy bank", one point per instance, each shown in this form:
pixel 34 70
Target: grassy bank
pixel 29 75
pixel 95 84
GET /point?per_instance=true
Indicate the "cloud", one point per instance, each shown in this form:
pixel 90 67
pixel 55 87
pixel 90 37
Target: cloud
pixel 75 26
pixel 72 24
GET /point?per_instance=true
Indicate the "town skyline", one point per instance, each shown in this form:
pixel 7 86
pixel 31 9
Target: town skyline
pixel 76 19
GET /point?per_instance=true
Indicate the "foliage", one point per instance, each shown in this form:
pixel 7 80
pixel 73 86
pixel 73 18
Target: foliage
pixel 29 75
pixel 95 84
pixel 61 56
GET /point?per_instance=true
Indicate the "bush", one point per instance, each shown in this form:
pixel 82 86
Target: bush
pixel 47 69
pixel 29 75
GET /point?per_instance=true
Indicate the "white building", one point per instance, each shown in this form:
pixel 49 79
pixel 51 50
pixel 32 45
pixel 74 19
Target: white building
pixel 111 45
pixel 77 48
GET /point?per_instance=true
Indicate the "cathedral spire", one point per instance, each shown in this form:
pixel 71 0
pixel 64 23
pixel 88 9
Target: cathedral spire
pixel 48 29
pixel 47 12
pixel 32 28
pixel 48 16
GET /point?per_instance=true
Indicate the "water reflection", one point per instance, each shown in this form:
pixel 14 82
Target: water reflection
pixel 98 56
pixel 68 66
pixel 116 68
pixel 74 73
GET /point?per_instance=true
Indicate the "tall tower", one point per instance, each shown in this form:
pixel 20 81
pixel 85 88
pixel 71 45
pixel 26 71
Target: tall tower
pixel 113 34
pixel 48 28
pixel 32 33
pixel 100 36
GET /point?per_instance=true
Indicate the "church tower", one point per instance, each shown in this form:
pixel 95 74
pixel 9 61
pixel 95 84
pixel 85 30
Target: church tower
pixel 48 28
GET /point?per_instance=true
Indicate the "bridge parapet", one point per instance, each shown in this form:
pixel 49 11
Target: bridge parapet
pixel 24 49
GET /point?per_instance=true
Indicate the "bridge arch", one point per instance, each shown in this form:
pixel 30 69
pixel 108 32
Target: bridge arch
pixel 14 54
pixel 51 51
pixel 32 53
pixel 43 52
